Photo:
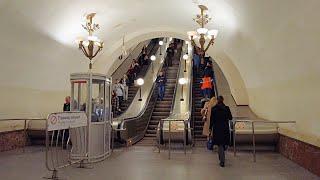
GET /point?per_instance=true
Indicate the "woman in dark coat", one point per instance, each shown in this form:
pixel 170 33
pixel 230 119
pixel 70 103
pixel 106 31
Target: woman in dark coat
pixel 219 123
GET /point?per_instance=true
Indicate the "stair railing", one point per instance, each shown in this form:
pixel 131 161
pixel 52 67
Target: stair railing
pixel 252 122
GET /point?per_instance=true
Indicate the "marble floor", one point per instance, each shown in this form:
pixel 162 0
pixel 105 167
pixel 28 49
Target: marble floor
pixel 141 163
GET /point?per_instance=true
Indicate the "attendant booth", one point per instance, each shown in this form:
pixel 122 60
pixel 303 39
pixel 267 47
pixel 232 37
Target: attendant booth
pixel 91 93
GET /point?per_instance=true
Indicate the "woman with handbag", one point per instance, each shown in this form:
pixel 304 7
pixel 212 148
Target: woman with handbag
pixel 219 123
pixel 206 114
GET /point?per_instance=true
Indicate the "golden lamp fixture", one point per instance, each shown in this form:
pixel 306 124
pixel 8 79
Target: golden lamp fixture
pixel 203 33
pixel 91 45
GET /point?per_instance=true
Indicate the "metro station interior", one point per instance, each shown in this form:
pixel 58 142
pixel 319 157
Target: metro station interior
pixel 184 89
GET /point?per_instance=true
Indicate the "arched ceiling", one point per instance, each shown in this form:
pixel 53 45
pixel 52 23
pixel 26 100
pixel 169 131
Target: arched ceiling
pixel 267 49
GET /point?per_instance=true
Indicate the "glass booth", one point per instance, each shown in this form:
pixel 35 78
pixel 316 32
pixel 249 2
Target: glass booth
pixel 91 93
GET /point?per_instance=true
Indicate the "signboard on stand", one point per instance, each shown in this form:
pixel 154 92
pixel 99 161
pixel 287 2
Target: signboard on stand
pixel 66 120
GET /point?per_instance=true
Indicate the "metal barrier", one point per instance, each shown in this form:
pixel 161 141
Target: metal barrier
pixel 252 132
pixel 185 130
pixel 24 127
pixel 60 146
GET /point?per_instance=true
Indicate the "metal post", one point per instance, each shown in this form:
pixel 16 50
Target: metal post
pixel 234 138
pixel 253 143
pixel 185 65
pixel 160 50
pixel 112 136
pixel 181 93
pixel 169 139
pixel 187 48
pixel 25 135
pixel 184 138
pixel 140 99
pixel 160 130
pixel 152 67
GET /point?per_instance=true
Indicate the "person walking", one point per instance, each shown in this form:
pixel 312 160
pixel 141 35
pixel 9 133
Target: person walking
pixel 219 126
pixel 206 115
pixel 161 81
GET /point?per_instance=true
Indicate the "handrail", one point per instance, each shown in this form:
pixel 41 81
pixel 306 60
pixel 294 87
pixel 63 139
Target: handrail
pixel 128 57
pixel 24 127
pixel 22 119
pixel 177 82
pixel 252 132
pixel 191 97
pixel 215 82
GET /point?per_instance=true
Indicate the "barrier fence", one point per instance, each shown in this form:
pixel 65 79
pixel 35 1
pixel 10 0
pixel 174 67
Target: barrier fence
pixel 66 141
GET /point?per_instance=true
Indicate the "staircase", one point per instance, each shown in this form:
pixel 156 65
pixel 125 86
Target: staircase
pixel 196 111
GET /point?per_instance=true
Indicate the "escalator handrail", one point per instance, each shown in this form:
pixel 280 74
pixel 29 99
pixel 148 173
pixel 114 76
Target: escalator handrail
pixel 177 83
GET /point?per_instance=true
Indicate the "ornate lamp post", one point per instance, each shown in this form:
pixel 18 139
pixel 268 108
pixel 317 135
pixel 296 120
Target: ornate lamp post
pixel 91 45
pixel 203 33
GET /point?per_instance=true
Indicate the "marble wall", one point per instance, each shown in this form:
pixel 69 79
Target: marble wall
pixel 306 155
pixel 11 140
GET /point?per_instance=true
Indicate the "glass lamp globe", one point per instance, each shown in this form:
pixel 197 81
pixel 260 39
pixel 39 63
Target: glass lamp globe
pixel 140 81
pixel 153 58
pixel 185 57
pixel 182 81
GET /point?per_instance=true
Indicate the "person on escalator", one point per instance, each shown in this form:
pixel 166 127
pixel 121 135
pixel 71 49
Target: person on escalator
pixel 196 62
pixel 170 54
pixel 206 115
pixel 119 89
pixel 161 81
pixel 219 126
pixel 206 86
pixel 208 70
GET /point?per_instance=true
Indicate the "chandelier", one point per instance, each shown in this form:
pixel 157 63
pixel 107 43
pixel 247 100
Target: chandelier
pixel 91 45
pixel 203 33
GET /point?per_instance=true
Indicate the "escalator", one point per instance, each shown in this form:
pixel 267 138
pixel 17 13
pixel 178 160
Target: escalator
pixel 162 108
pixel 197 118
pixel 132 89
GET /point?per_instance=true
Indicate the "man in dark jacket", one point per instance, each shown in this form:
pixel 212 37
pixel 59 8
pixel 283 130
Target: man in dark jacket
pixel 161 81
pixel 66 105
pixel 219 124
pixel 170 54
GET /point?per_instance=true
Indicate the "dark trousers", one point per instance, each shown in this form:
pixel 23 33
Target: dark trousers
pixel 161 91
pixel 120 100
pixel 221 153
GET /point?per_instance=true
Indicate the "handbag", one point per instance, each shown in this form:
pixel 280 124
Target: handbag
pixel 210 142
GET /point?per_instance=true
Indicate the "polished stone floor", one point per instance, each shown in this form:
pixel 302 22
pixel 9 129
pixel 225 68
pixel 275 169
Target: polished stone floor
pixel 140 163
